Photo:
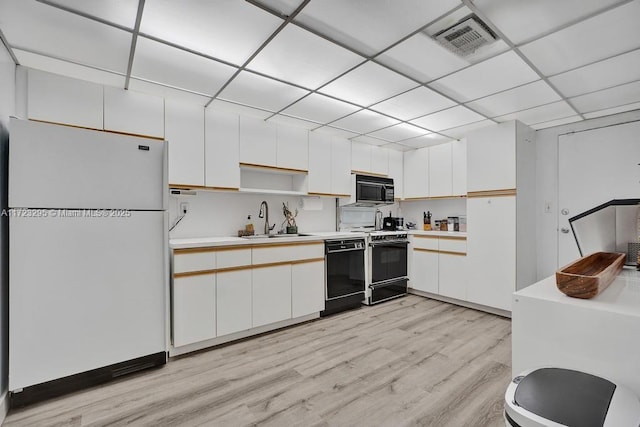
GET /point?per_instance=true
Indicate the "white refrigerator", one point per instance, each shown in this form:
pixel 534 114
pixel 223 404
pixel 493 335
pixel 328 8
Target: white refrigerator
pixel 88 252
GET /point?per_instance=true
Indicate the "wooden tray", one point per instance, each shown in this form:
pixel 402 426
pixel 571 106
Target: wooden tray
pixel 589 275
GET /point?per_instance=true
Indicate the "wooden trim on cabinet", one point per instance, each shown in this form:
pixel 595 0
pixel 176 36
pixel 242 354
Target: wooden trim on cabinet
pixel 184 251
pixel 411 199
pixel 435 251
pixel 273 168
pixel 306 261
pixel 187 187
pixel 223 188
pixel 453 253
pixel 382 175
pixel 422 236
pixel 154 138
pixel 245 267
pixel 193 273
pixel 276 244
pixel 137 135
pixel 312 193
pixel 493 193
pixel 453 237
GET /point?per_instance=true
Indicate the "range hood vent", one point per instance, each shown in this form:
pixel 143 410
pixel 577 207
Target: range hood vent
pixel 465 37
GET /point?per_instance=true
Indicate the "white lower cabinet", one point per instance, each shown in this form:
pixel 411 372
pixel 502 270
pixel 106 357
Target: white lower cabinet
pixel 307 288
pixel 233 298
pixel 194 309
pixel 452 275
pixel 425 271
pixel 271 294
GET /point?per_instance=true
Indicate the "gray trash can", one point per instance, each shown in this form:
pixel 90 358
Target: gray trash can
pixel 564 397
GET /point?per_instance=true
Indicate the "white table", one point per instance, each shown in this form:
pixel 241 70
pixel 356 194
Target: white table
pixel 599 336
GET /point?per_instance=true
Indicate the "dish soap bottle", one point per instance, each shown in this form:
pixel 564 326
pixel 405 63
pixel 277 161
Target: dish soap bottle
pixel 249 227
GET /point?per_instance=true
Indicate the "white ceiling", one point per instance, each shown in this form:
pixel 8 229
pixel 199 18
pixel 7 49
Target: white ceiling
pixel 368 70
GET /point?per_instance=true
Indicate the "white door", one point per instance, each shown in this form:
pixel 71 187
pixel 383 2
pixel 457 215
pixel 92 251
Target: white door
pixel 234 301
pixel 271 294
pixel 194 309
pixel 307 288
pixel 424 271
pixel 594 167
pixel 84 292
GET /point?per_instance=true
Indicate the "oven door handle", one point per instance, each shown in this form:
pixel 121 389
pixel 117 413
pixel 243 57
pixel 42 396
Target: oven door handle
pixel 331 251
pixel 388 282
pixel 394 244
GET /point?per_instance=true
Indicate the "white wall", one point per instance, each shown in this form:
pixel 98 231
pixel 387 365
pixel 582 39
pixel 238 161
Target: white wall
pixel 224 213
pixel 7 108
pixel 441 209
pixel 547 184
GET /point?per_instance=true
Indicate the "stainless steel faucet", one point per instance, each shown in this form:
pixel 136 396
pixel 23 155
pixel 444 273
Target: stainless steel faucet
pixel 264 213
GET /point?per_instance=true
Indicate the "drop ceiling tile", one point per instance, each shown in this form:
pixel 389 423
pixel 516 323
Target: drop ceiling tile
pixel 523 20
pixel 230 107
pixel 414 103
pixel 230 30
pixel 320 108
pixel 359 25
pixel 261 92
pixel 616 110
pixel 601 75
pixel 174 67
pixel 399 132
pixel 284 7
pixel 68 69
pixel 446 119
pixel 597 38
pixel 300 57
pixel 493 75
pixel 167 92
pixel 368 84
pixel 292 121
pixel 422 58
pixel 558 122
pixel 425 141
pixel 370 140
pixel 37 27
pixel 544 113
pixel 334 131
pixel 365 121
pixel 462 131
pixel 121 12
pixel 520 98
pixel 397 147
pixel 608 98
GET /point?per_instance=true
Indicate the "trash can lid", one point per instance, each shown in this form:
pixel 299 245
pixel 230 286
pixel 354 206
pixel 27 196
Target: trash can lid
pixel 566 397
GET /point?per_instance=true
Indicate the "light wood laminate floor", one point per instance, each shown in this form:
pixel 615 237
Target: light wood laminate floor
pixel 410 361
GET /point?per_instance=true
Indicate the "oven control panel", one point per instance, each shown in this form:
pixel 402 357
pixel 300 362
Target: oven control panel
pixel 383 237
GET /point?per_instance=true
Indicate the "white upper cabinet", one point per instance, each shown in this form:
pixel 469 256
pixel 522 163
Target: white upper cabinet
pixel 416 173
pixel 459 165
pixel 440 170
pixel 292 148
pixel 185 135
pixel 258 142
pixel 340 166
pixel 379 160
pixel 58 99
pixel 361 157
pixel 493 151
pixel 222 149
pixel 133 112
pixel 396 172
pixel 320 163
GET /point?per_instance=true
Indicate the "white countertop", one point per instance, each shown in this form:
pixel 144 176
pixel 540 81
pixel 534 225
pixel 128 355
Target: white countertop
pixel 622 296
pixel 338 234
pixel 202 242
pixel 438 233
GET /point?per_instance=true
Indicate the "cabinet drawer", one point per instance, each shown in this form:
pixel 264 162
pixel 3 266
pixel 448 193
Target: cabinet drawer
pixel 425 242
pixel 453 245
pixel 194 261
pixel 287 252
pixel 233 257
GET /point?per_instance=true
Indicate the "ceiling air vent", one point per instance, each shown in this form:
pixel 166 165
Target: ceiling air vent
pixel 465 37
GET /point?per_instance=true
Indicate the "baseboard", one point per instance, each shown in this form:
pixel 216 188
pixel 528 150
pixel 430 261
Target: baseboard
pixel 4 407
pixel 467 304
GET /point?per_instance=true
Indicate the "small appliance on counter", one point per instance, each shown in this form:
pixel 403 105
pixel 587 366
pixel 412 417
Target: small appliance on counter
pixel 391 223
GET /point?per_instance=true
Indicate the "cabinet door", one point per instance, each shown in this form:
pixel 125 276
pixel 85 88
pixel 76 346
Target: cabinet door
pixel 307 288
pixel 319 163
pixel 396 172
pixel 459 167
pixel 452 271
pixel 416 173
pixel 424 272
pixel 194 309
pixel 440 181
pixel 258 142
pixel 380 160
pixel 222 149
pixel 185 135
pixel 293 148
pixel 361 157
pixel 134 113
pixel 340 166
pixel 271 294
pixel 57 99
pixel 491 158
pixel 233 296
pixel 491 250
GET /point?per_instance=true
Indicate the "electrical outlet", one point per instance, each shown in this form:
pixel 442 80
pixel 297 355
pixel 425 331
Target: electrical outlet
pixel 184 207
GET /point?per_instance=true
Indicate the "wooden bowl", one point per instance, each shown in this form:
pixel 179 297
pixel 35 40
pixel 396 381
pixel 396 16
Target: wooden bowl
pixel 588 276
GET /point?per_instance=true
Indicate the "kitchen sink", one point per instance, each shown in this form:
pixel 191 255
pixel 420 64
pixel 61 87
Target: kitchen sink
pixel 271 236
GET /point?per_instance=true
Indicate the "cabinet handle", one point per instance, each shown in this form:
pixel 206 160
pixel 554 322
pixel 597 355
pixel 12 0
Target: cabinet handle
pixel 565 230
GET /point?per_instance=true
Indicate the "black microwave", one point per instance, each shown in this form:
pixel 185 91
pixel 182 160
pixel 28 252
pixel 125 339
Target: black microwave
pixel 374 190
